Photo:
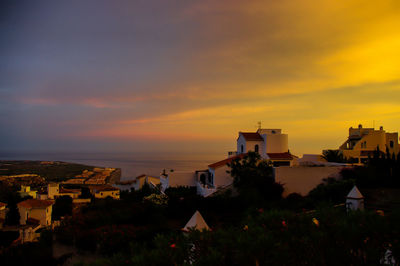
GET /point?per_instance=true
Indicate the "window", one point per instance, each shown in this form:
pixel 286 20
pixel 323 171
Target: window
pixel 364 144
pixel 391 144
pixel 241 148
pixel 256 148
pixel 203 179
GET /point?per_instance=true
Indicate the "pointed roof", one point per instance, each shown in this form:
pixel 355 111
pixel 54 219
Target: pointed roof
pixel 355 194
pixel 249 136
pixel 226 161
pixel 196 222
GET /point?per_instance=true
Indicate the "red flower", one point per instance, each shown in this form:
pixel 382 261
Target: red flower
pixel 284 224
pixel 173 246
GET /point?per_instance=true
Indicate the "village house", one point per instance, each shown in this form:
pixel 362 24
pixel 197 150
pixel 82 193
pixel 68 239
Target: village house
pixel 271 144
pixel 102 192
pixel 27 192
pixel 362 142
pixel 54 190
pixel 39 210
pixel 297 175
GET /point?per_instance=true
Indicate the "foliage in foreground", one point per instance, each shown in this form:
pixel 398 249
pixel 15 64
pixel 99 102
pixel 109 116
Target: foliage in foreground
pixel 329 237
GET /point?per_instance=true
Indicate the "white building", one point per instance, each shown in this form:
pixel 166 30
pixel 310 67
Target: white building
pixel 271 144
pixel 355 200
pixel 196 223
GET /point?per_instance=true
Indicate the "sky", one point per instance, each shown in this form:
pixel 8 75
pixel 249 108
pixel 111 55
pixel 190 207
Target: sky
pixel 187 76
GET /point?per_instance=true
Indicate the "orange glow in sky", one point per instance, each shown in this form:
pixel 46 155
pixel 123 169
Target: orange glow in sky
pixel 199 72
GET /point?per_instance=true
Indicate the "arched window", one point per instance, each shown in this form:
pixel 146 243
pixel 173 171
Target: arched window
pixel 241 148
pixel 391 144
pixel 256 148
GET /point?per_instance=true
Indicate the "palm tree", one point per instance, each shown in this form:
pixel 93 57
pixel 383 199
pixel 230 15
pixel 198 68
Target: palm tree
pixel 333 156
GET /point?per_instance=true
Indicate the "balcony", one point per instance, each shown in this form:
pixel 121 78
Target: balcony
pixel 205 190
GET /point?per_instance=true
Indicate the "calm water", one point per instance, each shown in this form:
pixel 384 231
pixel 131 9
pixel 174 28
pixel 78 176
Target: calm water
pixel 131 164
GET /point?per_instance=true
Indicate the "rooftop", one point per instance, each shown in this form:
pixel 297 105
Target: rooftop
pixel 226 161
pixel 281 156
pixel 35 203
pixel 104 188
pixel 252 136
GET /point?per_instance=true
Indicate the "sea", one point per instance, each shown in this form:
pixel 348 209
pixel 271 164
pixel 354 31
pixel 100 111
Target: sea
pixel 131 164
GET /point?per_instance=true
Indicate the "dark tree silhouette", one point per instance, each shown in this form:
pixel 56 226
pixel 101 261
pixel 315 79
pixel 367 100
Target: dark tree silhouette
pixel 62 207
pixel 254 178
pixel 335 156
pixel 12 216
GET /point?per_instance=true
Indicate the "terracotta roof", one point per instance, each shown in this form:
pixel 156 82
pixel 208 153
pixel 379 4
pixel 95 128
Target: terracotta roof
pixel 251 136
pixel 35 203
pixel 68 190
pixel 281 156
pixel 226 161
pixel 104 188
pixel 2 204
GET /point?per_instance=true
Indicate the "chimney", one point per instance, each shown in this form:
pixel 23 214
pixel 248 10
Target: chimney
pixel 359 126
pixel 381 128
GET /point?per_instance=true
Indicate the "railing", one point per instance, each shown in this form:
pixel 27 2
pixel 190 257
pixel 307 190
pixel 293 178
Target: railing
pixel 232 153
pixel 205 190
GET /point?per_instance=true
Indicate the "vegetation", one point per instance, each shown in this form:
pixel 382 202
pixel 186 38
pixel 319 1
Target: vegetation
pixel 254 226
pixel 382 170
pixel 62 207
pixel 254 179
pixel 335 156
pixel 326 237
pixel 9 196
pixel 54 171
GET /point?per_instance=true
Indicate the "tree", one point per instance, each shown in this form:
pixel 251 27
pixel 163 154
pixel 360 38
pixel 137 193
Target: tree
pixel 12 216
pixel 335 156
pixel 11 197
pixel 62 207
pixel 254 178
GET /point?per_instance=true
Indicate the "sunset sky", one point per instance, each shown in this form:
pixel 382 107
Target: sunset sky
pixel 186 76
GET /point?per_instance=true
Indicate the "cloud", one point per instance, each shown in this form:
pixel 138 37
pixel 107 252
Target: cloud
pixel 199 70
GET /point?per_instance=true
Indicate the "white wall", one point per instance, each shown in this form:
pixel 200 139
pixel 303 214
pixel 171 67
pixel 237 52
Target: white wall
pixel 302 179
pixel 221 177
pixel 249 145
pixel 241 141
pixel 178 178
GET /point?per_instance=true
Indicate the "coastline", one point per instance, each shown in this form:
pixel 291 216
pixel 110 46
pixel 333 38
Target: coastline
pixel 131 164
